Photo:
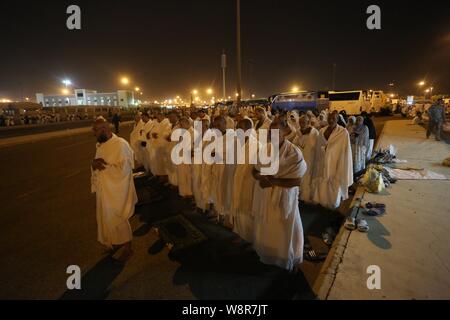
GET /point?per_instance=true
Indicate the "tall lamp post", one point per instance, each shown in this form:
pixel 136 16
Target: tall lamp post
pixel 238 52
pixel 224 66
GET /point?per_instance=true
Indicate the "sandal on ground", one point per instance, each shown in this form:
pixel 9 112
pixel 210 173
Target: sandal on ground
pixel 350 223
pixel 362 225
pixel 375 205
pixel 374 212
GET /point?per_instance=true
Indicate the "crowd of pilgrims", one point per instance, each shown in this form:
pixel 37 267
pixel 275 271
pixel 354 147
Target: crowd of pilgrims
pixel 319 155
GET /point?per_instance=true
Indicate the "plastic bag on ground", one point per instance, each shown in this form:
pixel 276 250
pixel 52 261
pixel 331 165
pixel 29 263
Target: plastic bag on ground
pixel 373 181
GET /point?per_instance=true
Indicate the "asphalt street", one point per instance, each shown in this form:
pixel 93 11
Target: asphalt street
pixel 47 223
pixel 23 130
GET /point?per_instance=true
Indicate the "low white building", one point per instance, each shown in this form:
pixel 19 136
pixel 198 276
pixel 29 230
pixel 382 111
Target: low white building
pixel 85 97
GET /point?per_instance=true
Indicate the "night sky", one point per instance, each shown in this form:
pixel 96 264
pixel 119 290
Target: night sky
pixel 171 47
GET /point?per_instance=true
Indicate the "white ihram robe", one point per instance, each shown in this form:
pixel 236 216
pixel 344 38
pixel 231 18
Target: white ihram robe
pixel 172 172
pixel 197 178
pixel 223 175
pixel 241 209
pixel 307 144
pixel 135 142
pixel 278 227
pixel 158 147
pixel 334 168
pixel 184 172
pixel 206 184
pixel 143 138
pixel 115 192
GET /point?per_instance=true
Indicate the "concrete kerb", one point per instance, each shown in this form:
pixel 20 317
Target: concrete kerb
pixel 324 282
pixel 47 135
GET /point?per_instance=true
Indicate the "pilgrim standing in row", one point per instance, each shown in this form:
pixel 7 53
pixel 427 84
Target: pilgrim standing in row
pixel 112 182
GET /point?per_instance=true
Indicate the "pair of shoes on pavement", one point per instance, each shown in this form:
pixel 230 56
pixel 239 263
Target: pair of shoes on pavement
pixel 374 209
pixel 353 224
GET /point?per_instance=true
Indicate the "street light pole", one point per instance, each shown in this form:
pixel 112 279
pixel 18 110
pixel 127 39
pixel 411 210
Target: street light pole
pixel 224 66
pixel 333 84
pixel 238 52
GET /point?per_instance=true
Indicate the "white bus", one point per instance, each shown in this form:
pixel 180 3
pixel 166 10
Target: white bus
pixel 353 102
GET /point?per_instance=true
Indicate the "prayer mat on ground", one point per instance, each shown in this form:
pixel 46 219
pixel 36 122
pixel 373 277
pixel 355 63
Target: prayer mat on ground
pixel 179 233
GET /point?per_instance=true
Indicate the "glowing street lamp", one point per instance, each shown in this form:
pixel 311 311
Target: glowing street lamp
pixel 137 89
pixel 295 89
pixel 65 91
pixel 421 83
pixel 209 91
pixel 125 80
pixel 67 82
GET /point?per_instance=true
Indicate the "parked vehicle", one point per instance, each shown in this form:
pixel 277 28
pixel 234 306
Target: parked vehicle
pixel 353 102
pixel 301 101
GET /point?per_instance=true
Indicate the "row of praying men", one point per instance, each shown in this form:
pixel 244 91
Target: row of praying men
pixel 315 166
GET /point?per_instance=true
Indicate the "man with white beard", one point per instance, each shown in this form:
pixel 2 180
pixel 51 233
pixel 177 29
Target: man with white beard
pixel 160 132
pixel 145 139
pixel 135 142
pixel 278 227
pixel 306 140
pixel 334 165
pixel 112 182
pixel 243 183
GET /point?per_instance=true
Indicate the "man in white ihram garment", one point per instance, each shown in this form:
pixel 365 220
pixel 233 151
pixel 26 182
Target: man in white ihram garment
pixel 200 191
pixel 172 172
pixel 112 182
pixel 306 140
pixel 184 170
pixel 145 139
pixel 223 175
pixel 135 142
pixel 243 184
pixel 334 174
pixel 158 145
pixel 278 227
pixel 263 122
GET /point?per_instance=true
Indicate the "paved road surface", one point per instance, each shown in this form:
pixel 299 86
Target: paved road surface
pixel 47 223
pixel 23 130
